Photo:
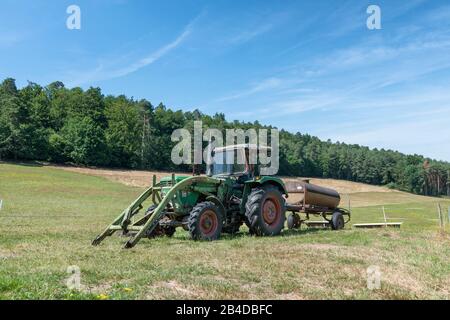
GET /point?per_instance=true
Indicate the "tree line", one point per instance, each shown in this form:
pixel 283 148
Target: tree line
pixel 85 127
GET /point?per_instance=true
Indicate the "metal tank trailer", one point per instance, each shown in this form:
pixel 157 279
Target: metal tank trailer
pixel 315 201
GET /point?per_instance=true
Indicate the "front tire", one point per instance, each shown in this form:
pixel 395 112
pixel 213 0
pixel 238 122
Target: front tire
pixel 265 211
pixel 205 222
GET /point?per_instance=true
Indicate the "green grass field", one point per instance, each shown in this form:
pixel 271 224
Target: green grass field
pixel 50 216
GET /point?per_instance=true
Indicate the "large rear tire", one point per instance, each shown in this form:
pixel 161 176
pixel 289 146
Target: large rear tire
pixel 265 211
pixel 205 222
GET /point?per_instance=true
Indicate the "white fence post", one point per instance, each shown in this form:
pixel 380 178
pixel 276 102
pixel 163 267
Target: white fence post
pixel 440 215
pixel 384 215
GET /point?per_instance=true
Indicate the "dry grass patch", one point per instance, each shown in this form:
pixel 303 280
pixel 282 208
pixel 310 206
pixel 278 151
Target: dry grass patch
pixel 134 178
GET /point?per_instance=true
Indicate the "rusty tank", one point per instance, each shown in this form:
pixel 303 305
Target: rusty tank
pixel 313 195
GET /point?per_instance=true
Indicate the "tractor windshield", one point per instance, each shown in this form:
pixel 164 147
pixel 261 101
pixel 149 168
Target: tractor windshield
pixel 228 162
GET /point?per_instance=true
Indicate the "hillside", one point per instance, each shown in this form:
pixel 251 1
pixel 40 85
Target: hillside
pixel 50 216
pixel 360 194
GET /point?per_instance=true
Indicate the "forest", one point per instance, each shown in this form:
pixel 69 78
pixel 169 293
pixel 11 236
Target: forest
pixel 87 128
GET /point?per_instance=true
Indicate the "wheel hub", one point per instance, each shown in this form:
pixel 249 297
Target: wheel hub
pixel 270 212
pixel 208 223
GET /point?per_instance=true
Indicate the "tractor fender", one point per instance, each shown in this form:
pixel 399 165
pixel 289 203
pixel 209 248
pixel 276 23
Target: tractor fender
pixel 261 182
pixel 218 203
pixel 271 181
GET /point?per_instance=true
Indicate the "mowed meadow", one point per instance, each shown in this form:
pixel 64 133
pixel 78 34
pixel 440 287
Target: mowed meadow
pixel 50 215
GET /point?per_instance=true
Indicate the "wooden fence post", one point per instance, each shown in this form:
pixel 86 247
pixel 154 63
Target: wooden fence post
pixel 448 183
pixel 441 225
pixel 448 214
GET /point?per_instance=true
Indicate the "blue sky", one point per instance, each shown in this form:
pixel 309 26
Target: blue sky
pixel 307 66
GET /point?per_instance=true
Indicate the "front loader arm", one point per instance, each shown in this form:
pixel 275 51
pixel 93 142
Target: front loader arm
pixel 123 221
pixel 159 211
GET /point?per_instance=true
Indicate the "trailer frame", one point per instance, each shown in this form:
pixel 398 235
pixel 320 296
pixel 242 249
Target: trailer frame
pixel 311 210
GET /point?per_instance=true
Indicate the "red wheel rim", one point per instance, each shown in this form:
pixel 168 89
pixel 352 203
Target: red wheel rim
pixel 208 223
pixel 271 211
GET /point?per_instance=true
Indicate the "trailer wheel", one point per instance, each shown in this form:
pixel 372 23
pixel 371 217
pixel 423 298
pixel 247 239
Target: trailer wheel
pixel 337 221
pixel 265 211
pixel 293 221
pixel 205 222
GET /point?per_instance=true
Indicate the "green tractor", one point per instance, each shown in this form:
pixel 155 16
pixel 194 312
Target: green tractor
pixel 231 194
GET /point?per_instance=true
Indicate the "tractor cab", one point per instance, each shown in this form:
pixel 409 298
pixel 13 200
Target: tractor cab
pixel 235 160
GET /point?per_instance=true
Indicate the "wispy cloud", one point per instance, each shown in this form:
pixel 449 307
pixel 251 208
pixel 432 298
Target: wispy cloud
pixel 385 90
pixel 248 35
pixel 106 71
pixel 411 121
pixel 153 57
pixel 365 70
pixel 248 27
pixel 266 84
